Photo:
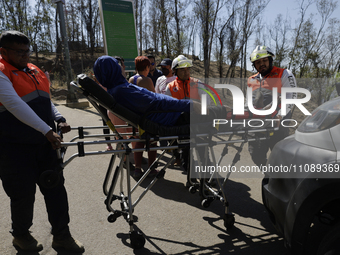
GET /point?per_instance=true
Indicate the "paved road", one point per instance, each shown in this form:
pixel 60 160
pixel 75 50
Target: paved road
pixel 172 219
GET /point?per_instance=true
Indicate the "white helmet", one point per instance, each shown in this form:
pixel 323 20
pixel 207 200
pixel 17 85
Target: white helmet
pixel 181 62
pixel 261 52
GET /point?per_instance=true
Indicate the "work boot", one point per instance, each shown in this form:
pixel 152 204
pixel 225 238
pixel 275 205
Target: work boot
pixel 67 243
pixel 27 242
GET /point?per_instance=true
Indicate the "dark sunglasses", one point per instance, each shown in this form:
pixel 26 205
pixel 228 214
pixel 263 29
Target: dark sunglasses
pixel 20 52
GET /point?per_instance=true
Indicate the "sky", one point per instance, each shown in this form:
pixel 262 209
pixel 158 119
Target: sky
pixel 290 9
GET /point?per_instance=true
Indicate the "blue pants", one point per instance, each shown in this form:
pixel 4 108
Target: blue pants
pixel 20 168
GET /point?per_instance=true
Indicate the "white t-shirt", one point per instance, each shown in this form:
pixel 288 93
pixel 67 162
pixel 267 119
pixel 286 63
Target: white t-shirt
pixel 162 83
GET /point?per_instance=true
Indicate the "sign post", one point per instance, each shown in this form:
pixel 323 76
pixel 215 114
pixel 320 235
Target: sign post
pixel 71 96
pixel 119 30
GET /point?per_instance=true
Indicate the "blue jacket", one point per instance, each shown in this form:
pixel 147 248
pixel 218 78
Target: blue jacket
pixel 135 98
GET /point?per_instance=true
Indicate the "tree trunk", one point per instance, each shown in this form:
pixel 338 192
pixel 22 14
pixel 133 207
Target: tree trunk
pixel 178 32
pixel 206 38
pixel 141 28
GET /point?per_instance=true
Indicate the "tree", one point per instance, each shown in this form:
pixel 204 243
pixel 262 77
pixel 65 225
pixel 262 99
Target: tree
pixel 313 50
pixel 42 34
pixel 242 28
pixel 180 19
pixel 226 31
pixel 90 14
pixel 15 15
pixel 303 6
pixel 140 23
pixel 278 33
pixel 207 11
pixel 191 26
pixel 154 25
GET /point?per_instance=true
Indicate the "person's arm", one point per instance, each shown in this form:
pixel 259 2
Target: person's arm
pixel 146 82
pixel 16 106
pixel 288 81
pixel 159 84
pixel 167 91
pixel 63 126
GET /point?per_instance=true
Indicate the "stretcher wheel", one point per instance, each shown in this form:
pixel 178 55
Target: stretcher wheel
pixel 112 217
pixel 229 220
pixel 49 179
pixel 206 202
pixel 137 240
pixel 192 189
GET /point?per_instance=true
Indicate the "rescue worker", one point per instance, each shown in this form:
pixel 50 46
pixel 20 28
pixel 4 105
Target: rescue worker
pixel 262 84
pixel 27 145
pixel 185 87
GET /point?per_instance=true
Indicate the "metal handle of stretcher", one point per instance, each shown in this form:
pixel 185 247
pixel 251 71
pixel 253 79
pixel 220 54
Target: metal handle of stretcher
pixel 81 145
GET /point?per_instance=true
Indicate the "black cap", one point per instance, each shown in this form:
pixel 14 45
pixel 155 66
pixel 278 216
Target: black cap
pixel 166 62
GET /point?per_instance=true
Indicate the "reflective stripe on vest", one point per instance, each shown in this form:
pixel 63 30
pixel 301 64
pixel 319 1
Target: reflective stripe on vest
pixel 29 97
pixel 270 81
pixel 184 89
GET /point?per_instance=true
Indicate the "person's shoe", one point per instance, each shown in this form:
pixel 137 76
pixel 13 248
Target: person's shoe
pixel 137 173
pixel 67 243
pixel 153 173
pixel 27 243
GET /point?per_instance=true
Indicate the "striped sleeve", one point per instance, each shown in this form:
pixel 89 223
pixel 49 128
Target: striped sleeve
pixel 13 103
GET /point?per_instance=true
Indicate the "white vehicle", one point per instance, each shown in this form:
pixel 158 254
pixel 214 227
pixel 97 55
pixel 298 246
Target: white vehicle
pixel 303 196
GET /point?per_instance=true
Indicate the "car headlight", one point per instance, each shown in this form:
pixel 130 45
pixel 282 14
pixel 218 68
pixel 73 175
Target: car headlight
pixel 323 117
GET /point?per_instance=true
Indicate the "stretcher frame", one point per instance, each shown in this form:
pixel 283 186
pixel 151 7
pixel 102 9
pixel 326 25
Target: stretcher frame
pixel 208 190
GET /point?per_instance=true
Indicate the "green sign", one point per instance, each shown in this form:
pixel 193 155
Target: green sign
pixel 119 30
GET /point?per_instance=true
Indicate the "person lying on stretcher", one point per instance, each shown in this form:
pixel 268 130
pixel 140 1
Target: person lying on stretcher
pixel 173 112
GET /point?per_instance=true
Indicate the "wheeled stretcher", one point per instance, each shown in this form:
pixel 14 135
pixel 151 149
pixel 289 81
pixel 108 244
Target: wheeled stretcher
pixel 117 177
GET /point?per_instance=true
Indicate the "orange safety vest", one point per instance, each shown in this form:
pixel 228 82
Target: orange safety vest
pixel 270 81
pixel 26 83
pixel 33 88
pixel 184 89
